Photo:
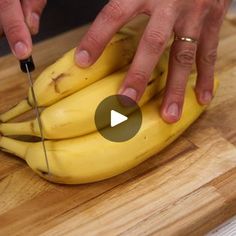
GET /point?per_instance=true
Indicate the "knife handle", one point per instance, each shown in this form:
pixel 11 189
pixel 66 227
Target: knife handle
pixel 30 65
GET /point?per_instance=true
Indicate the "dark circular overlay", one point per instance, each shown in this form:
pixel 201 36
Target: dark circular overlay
pixel 121 105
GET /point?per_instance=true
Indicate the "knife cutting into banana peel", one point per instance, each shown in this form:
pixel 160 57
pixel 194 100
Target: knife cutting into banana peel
pixel 27 66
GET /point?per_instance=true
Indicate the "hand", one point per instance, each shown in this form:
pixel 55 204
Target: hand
pixel 196 19
pixel 18 20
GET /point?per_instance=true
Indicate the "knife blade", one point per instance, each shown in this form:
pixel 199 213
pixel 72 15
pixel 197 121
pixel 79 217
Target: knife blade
pixel 27 66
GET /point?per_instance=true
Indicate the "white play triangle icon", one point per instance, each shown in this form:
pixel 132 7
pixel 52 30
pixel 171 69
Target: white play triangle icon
pixel 117 118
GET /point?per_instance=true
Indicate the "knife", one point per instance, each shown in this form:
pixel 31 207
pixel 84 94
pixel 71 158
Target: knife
pixel 27 66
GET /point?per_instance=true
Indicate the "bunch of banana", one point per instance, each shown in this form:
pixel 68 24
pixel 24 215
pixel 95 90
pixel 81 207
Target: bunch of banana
pixel 69 96
pixel 92 158
pixel 64 77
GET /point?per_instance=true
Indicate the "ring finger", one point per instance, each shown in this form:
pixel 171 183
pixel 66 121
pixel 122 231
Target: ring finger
pixel 182 58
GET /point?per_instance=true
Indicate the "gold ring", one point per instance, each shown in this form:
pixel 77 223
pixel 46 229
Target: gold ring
pixel 185 39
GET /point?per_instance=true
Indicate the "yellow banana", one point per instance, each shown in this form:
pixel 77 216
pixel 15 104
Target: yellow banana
pixel 74 116
pixel 92 158
pixel 64 77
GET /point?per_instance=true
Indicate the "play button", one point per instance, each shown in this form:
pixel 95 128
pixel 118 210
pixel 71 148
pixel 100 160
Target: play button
pixel 118 118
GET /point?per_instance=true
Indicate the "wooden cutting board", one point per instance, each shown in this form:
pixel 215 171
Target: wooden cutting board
pixel 187 189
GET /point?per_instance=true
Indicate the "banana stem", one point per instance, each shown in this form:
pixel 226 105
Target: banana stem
pixel 15 111
pixel 15 147
pixel 21 128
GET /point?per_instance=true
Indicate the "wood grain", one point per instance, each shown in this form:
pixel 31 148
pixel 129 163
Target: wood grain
pixel 187 189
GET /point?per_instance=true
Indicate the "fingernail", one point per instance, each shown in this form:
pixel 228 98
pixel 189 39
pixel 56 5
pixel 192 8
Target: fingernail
pixel 131 93
pixel 82 58
pixel 34 23
pixel 20 50
pixel 207 96
pixel 173 110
